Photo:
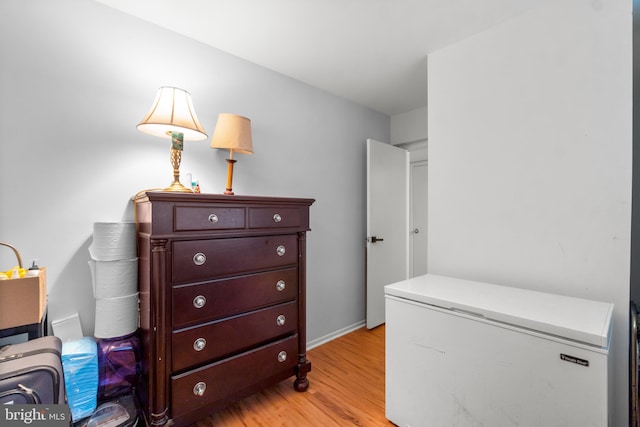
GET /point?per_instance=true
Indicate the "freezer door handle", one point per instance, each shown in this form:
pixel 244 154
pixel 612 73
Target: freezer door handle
pixel 467 312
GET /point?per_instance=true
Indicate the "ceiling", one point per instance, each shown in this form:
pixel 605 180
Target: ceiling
pixel 372 52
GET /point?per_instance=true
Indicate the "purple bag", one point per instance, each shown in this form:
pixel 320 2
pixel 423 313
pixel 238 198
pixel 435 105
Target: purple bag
pixel 119 365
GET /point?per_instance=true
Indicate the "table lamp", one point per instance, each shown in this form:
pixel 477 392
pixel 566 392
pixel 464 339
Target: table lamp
pixel 232 132
pixel 172 116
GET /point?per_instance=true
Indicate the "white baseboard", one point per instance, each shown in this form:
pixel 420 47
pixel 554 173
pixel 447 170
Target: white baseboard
pixel 336 334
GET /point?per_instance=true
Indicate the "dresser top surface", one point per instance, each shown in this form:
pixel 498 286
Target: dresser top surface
pixel 163 196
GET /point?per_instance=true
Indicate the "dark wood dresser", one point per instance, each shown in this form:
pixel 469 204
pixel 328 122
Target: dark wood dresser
pixel 222 299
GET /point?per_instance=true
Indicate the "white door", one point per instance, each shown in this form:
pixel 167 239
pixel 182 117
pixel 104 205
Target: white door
pixel 418 218
pixel 387 223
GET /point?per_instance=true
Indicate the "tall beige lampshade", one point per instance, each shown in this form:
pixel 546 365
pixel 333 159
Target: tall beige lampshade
pixel 172 116
pixel 232 132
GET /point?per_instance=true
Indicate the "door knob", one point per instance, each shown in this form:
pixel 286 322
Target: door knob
pixel 374 239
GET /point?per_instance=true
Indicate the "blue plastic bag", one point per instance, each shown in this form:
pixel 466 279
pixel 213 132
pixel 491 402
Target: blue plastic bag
pixel 80 366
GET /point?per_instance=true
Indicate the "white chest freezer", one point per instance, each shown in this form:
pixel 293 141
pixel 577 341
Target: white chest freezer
pixel 464 353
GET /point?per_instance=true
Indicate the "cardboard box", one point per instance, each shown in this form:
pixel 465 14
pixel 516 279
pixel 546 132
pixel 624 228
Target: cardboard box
pixel 23 301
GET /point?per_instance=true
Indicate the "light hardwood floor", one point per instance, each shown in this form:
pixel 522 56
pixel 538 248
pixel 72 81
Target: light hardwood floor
pixel 346 389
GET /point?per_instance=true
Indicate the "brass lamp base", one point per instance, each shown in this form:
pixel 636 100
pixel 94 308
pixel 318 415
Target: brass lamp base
pixel 176 157
pixel 177 187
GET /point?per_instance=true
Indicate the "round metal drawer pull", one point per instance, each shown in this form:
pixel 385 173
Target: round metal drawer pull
pixel 213 218
pixel 199 388
pixel 199 258
pixel 277 218
pixel 280 250
pixel 199 344
pixel 280 320
pixel 282 356
pixel 199 301
pixel 281 285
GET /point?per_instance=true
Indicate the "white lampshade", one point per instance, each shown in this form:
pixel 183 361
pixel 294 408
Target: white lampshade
pixel 172 111
pixel 233 132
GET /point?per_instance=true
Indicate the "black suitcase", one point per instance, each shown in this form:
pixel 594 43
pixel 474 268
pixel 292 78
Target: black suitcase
pixel 31 372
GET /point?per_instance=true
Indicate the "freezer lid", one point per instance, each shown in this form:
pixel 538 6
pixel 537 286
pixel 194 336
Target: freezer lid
pixel 577 319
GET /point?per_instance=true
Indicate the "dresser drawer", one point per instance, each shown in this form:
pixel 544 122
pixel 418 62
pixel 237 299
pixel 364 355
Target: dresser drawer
pixel 206 259
pixel 225 297
pixel 209 217
pixel 233 376
pixel 276 217
pixel 219 339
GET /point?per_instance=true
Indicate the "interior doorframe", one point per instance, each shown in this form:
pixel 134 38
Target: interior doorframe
pixel 418 154
pixel 412 259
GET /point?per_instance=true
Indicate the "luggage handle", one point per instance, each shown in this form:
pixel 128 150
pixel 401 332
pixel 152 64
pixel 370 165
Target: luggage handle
pixel 31 393
pixel 15 251
pixel 28 394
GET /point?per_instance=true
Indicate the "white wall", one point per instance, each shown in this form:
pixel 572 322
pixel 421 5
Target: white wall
pixel 635 227
pixel 409 131
pixel 530 158
pixel 75 79
pixel 410 126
